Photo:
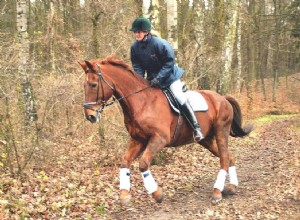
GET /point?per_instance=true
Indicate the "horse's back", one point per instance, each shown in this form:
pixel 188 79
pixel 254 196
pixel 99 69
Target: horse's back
pixel 219 107
pixel 214 100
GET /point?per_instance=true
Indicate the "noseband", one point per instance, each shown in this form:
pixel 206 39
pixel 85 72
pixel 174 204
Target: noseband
pixel 104 103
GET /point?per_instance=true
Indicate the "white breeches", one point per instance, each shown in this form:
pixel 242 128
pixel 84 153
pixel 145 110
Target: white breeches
pixel 176 88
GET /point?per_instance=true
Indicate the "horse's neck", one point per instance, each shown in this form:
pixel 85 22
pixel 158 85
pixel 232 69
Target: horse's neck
pixel 126 83
pixel 128 89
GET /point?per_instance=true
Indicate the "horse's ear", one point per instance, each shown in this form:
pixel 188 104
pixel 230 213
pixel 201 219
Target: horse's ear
pixel 89 65
pixel 111 57
pixel 83 65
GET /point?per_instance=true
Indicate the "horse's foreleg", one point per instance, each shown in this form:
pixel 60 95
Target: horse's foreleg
pixel 156 143
pixel 133 151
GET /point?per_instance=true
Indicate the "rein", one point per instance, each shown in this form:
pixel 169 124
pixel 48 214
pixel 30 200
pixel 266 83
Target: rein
pixel 104 103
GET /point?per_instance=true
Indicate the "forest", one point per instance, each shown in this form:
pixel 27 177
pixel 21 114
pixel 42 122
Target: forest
pixel 54 164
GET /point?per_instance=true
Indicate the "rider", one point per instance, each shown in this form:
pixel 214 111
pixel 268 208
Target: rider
pixel 155 56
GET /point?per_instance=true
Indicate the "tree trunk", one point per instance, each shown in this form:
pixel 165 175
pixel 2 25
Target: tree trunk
pixel 139 7
pixel 275 63
pixel 250 56
pixel 229 41
pixel 146 7
pixel 238 54
pixel 199 13
pixel 95 17
pixel 263 42
pixel 219 19
pixel 50 35
pixel 172 24
pixel 30 113
pixel 151 11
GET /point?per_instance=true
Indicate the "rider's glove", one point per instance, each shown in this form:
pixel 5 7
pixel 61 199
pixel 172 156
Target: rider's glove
pixel 154 82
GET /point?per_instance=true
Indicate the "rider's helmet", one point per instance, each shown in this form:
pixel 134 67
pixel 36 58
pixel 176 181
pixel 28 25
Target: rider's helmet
pixel 141 24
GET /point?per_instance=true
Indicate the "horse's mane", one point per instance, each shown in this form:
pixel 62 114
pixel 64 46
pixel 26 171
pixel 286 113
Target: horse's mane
pixel 111 59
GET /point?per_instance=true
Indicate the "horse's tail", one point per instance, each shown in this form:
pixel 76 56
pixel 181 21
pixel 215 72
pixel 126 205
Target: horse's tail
pixel 236 127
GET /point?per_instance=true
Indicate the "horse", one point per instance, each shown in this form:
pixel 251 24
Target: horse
pixel 153 125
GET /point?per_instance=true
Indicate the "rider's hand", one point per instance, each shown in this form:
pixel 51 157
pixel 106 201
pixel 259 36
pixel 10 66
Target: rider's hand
pixel 154 83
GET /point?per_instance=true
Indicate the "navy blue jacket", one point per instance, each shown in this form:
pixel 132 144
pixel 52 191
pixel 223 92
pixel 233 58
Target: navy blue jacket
pixel 156 57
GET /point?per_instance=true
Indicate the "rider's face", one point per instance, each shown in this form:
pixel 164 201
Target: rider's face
pixel 139 35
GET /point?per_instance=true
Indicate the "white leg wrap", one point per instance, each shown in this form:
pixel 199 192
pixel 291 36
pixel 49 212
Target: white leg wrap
pixel 232 176
pixel 149 182
pixel 124 179
pixel 220 182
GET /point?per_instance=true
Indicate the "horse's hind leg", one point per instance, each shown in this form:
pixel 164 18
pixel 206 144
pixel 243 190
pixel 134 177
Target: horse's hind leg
pixel 230 189
pixel 134 150
pixel 213 147
pixel 219 147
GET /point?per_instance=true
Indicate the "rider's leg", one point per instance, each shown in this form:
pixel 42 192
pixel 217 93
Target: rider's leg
pixel 186 108
pixel 190 115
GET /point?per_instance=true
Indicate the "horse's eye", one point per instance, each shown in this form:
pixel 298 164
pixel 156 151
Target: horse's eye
pixel 93 85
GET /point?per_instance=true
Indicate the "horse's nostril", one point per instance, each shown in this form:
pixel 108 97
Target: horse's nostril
pixel 91 118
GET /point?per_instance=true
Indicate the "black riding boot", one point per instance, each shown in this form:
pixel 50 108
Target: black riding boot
pixel 192 120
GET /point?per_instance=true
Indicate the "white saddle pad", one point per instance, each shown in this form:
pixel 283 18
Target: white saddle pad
pixel 197 101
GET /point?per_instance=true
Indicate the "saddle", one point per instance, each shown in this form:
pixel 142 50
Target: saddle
pixel 196 100
pixel 172 100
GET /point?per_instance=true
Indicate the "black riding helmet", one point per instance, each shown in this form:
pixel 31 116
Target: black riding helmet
pixel 141 24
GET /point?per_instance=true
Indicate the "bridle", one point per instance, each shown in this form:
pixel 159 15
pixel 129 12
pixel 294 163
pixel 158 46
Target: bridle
pixel 103 103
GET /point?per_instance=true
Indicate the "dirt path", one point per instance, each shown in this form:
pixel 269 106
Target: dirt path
pixel 268 171
pixel 78 185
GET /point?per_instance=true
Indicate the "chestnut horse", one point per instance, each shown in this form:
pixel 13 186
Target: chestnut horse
pixel 152 124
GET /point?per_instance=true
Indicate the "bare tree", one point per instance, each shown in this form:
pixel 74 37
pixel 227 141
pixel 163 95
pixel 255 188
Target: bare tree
pixel 263 45
pixel 151 10
pixel 23 70
pixel 275 61
pixel 199 19
pixel 172 23
pixel 229 42
pixel 238 42
pixel 251 51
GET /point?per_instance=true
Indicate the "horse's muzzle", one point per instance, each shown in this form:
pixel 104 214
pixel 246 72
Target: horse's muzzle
pixel 92 118
pixel 93 115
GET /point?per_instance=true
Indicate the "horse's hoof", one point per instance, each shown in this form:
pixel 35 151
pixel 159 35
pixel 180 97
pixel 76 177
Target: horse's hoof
pixel 229 189
pixel 216 201
pixel 217 197
pixel 158 195
pixel 125 197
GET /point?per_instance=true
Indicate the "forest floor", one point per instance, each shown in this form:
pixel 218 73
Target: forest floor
pixel 268 168
pixel 78 178
pixel 77 187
